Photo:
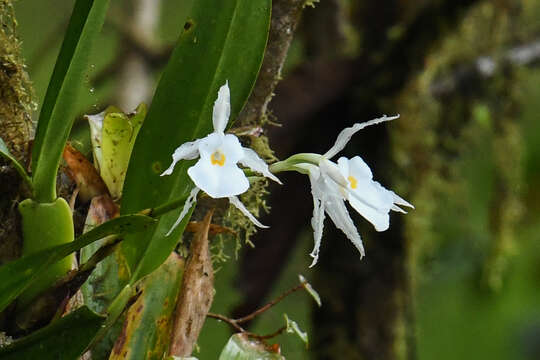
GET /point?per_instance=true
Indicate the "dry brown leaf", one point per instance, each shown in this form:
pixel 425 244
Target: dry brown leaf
pixel 196 294
pixel 84 174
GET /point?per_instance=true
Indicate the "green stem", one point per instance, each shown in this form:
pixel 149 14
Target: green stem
pixel 45 225
pixel 165 208
pixel 289 164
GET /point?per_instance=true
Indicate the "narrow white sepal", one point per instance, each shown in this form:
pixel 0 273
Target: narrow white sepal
pixel 186 151
pixel 317 223
pixel 222 108
pixel 337 211
pixel 238 204
pixel 252 160
pixel 346 134
pixel 187 205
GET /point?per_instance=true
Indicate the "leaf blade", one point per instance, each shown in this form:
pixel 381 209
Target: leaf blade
pixel 17 275
pixel 4 151
pixel 57 113
pixel 66 338
pixel 222 41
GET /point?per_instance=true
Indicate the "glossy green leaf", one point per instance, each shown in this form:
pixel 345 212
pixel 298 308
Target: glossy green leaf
pixel 58 111
pixel 4 151
pixel 17 275
pixel 240 347
pixel 113 135
pixel 64 339
pixel 147 329
pixel 222 40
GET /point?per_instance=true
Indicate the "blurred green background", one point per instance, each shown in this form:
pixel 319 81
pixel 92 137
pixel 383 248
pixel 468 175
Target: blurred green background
pixel 465 152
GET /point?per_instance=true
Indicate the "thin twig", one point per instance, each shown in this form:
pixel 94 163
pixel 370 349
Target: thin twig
pixel 229 321
pixel 238 328
pixel 234 322
pixel 269 336
pixel 270 304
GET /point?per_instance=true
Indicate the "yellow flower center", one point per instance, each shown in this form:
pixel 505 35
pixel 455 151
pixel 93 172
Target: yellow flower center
pixel 353 182
pixel 217 158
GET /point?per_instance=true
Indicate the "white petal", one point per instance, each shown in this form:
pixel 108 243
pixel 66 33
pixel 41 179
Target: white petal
pixel 187 205
pixel 379 218
pixel 218 181
pixel 398 209
pixel 337 211
pixel 210 144
pixel 186 151
pixel 232 149
pixel 332 171
pixel 236 202
pixel 255 163
pixel 372 194
pixel 359 168
pixel 399 201
pixel 228 145
pixel 317 222
pixel 222 109
pixel 346 134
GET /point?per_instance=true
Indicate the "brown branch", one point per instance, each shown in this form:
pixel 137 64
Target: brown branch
pixel 238 328
pixel 269 336
pixel 234 322
pixel 270 304
pixel 229 321
pixel 285 18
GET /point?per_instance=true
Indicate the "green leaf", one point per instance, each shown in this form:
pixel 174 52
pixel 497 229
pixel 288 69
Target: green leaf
pixel 64 339
pixel 293 328
pixel 240 347
pixel 222 40
pixel 4 151
pixel 311 291
pixel 147 329
pixel 58 110
pixel 19 274
pixel 113 135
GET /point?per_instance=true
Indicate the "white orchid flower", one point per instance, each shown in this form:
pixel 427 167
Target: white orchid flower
pixel 349 180
pixel 217 172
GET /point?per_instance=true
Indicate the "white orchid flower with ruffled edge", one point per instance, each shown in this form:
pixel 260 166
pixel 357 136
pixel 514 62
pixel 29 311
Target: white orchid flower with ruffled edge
pixel 349 180
pixel 217 172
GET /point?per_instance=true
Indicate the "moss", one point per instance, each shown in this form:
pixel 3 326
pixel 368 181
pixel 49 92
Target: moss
pixel 15 88
pixel 455 127
pixel 15 127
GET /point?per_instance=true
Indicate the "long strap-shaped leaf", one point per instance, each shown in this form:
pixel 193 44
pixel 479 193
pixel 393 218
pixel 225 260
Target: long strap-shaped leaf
pixel 222 40
pixel 66 338
pixel 19 274
pixel 58 110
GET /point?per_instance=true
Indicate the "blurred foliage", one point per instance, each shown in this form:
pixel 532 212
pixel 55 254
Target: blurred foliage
pixel 471 174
